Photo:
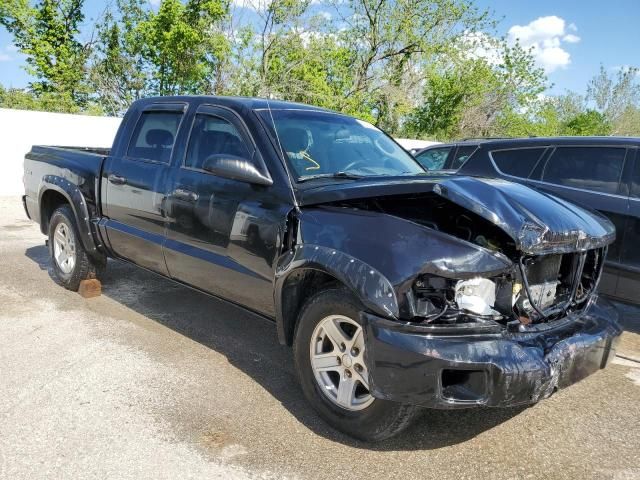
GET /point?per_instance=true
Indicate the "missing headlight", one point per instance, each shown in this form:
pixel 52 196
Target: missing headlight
pixel 477 295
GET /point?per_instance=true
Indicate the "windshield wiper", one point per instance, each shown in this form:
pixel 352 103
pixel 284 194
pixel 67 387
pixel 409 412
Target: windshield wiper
pixel 340 175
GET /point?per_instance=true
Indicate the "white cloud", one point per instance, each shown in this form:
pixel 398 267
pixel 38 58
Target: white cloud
pixel 482 45
pixel 4 57
pixel 546 36
pixel 571 38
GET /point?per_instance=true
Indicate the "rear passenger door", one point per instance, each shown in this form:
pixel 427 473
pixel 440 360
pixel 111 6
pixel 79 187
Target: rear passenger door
pixel 463 152
pixel 136 185
pixel 629 283
pixel 592 176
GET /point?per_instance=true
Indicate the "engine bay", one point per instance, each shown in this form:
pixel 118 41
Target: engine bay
pixel 541 288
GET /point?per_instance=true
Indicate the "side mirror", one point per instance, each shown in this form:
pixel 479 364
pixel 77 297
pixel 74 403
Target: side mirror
pixel 235 168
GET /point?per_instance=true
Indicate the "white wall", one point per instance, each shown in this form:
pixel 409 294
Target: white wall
pixel 19 129
pixel 411 144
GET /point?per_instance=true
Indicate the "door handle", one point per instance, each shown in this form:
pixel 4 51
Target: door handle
pixel 117 179
pixel 184 194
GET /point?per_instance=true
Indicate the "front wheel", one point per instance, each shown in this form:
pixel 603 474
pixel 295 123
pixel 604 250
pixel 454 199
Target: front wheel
pixel 71 264
pixel 330 358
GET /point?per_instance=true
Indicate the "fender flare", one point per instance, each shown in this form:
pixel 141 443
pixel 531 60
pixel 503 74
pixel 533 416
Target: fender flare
pixel 369 285
pixel 78 204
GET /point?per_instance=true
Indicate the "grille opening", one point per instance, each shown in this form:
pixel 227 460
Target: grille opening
pixel 558 284
pixel 464 385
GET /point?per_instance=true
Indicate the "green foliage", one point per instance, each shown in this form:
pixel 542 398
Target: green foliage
pixel 422 68
pixel 468 95
pixel 589 122
pixel 47 34
pixel 47 102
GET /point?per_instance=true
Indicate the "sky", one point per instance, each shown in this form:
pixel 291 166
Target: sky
pixel 570 38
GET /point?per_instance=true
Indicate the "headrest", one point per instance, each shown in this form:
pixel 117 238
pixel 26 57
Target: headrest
pixel 159 137
pixel 343 134
pixel 294 139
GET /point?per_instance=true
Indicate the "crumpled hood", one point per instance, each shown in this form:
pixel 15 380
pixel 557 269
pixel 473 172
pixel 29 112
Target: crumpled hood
pixel 537 222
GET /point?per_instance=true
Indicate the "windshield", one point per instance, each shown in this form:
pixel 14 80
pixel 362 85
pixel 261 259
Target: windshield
pixel 326 144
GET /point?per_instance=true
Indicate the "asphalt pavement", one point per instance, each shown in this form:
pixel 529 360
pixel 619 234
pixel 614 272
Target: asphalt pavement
pixel 154 380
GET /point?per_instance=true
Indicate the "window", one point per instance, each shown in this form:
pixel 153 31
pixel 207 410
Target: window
pixel 518 162
pixel 434 158
pixel 591 168
pixel 635 179
pixel 154 135
pixel 462 155
pixel 213 135
pixel 319 144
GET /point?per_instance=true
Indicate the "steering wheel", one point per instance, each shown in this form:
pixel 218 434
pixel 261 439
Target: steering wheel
pixel 353 164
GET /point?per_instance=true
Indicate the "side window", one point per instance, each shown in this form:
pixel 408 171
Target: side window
pixel 212 135
pixel 518 162
pixel 591 168
pixel 635 178
pixel 154 135
pixel 434 158
pixel 462 155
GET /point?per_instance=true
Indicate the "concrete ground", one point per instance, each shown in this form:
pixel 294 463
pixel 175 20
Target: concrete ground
pixel 153 380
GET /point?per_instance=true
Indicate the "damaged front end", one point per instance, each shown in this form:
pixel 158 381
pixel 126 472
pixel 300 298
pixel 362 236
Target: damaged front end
pixel 480 292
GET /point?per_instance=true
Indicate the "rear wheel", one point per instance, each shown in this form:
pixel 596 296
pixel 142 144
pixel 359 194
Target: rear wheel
pixel 330 356
pixel 71 264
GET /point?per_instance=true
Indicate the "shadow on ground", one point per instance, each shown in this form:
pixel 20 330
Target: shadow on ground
pixel 249 343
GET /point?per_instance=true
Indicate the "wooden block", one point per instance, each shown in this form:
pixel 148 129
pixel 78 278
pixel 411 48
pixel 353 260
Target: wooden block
pixel 90 288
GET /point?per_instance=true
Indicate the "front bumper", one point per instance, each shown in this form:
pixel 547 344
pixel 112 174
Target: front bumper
pixel 415 366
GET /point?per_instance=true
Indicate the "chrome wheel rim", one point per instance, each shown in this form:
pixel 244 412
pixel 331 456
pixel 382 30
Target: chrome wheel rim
pixel 337 360
pixel 64 248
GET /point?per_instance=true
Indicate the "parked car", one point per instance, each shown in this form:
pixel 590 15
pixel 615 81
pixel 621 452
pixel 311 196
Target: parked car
pixel 602 173
pixel 395 289
pixel 449 156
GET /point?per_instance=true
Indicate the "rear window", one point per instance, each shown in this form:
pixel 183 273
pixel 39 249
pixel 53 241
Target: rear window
pixel 590 168
pixel 518 162
pixel 154 135
pixel 434 158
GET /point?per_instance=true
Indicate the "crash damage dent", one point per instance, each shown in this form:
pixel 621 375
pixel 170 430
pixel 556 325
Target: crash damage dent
pixel 497 370
pixel 537 222
pixel 379 256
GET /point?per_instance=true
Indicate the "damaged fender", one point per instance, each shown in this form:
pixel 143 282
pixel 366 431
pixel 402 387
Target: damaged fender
pixel 378 256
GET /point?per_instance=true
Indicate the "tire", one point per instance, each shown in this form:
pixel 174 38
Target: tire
pixel 67 246
pixel 363 417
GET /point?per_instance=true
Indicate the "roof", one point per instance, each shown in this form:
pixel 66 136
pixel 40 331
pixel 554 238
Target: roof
pixel 543 141
pixel 238 102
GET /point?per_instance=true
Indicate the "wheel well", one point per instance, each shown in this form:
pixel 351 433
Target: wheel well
pixel 297 288
pixel 49 202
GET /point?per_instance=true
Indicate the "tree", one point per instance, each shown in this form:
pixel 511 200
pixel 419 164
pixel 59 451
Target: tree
pixel 117 73
pixel 47 34
pixel 467 94
pixel 612 96
pixel 589 122
pixel 181 44
pixel 392 42
pixel 178 49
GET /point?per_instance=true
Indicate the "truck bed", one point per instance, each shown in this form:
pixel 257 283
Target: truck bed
pixel 80 166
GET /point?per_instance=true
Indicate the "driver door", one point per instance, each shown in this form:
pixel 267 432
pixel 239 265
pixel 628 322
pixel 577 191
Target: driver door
pixel 219 237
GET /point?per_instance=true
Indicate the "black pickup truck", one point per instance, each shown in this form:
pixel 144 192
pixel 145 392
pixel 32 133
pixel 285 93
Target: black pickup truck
pixel 396 289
